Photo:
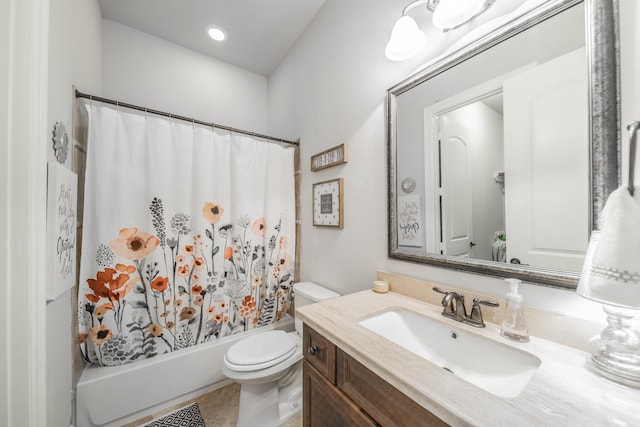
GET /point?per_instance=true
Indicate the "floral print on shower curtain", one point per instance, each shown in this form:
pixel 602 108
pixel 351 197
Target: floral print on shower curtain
pixel 188 236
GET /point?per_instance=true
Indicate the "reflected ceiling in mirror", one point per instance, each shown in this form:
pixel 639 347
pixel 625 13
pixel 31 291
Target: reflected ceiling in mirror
pixel 489 149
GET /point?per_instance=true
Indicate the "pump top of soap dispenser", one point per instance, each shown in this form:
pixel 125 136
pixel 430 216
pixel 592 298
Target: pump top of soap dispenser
pixel 513 293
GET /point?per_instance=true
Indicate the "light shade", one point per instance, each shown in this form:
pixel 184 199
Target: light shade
pixel 452 13
pixel 406 39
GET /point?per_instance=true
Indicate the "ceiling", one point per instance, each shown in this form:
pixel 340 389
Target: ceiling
pixel 259 32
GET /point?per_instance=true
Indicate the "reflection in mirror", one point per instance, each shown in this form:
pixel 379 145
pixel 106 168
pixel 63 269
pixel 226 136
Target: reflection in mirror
pixel 490 167
pixel 514 186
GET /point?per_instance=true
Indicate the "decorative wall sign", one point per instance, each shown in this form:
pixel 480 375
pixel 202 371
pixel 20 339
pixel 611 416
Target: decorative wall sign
pixel 62 189
pixel 60 142
pixel 331 157
pixel 328 203
pixel 409 221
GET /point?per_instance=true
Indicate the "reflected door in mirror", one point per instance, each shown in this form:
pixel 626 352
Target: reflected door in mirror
pixel 456 212
pixel 477 208
pixel 547 163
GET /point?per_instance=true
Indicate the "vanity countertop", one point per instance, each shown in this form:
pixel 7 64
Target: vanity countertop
pixel 562 392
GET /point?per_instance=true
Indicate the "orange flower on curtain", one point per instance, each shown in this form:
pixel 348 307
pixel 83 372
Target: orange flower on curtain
pixel 134 244
pixel 212 213
pixel 105 285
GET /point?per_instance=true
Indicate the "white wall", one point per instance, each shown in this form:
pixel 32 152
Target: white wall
pixel 144 70
pixel 74 59
pixel 330 89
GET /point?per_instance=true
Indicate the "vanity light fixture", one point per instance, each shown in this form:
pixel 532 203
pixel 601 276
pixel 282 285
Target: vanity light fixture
pixel 611 276
pixel 450 14
pixel 216 33
pixel 407 39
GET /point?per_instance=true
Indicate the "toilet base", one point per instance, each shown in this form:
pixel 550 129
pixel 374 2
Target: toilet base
pixel 270 404
pixel 290 398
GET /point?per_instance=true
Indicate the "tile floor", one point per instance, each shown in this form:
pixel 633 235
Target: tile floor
pixel 218 408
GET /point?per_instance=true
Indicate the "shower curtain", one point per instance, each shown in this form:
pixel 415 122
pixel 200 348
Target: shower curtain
pixel 188 235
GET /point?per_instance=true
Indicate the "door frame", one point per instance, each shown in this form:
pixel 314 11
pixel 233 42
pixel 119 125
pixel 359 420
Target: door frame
pixel 23 183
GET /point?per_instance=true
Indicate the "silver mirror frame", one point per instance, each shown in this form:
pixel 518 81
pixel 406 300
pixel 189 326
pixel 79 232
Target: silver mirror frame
pixel 604 101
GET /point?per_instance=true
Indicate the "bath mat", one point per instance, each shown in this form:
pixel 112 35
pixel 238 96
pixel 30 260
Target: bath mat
pixel 189 416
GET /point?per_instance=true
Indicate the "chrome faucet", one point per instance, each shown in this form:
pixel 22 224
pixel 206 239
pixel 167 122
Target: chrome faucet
pixel 453 304
pixel 454 308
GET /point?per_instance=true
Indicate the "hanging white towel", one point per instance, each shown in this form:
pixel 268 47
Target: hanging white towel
pixel 611 273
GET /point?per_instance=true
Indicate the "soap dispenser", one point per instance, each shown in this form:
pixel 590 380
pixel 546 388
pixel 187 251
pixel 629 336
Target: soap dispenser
pixel 513 324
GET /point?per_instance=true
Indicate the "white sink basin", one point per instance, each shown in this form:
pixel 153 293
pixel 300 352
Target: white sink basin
pixel 497 368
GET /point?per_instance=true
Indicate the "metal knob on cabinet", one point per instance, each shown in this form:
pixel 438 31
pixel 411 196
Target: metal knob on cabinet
pixel 313 350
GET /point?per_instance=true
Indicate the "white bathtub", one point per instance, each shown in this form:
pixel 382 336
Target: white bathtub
pixel 115 395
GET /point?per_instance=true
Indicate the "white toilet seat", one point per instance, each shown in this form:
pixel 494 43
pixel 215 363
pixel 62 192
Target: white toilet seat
pixel 259 366
pixel 274 373
pixel 260 351
pixel 275 370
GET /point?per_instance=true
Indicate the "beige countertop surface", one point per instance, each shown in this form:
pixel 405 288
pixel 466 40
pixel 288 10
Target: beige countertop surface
pixel 562 391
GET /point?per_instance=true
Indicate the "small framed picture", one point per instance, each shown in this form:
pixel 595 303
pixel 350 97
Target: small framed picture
pixel 331 157
pixel 328 203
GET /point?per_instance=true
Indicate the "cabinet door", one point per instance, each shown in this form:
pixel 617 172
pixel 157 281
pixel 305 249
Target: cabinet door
pixel 386 404
pixel 320 352
pixel 324 405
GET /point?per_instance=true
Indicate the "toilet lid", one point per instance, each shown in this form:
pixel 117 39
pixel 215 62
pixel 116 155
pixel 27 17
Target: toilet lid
pixel 260 351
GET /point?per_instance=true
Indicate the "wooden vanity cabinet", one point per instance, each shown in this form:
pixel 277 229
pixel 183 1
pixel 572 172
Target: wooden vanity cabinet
pixel 324 405
pixel 340 391
pixel 383 402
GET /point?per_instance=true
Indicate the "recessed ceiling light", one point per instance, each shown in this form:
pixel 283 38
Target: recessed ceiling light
pixel 216 33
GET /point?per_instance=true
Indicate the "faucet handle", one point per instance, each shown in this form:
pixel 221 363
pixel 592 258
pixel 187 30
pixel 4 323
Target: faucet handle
pixel 440 291
pixel 475 319
pixel 489 303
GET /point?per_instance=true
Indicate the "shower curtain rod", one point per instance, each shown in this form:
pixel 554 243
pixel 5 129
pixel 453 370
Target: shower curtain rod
pixel 186 119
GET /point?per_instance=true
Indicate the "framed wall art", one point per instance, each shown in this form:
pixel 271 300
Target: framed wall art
pixel 328 203
pixel 331 157
pixel 62 193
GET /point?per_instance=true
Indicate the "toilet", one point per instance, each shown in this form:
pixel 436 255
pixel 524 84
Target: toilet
pixel 268 366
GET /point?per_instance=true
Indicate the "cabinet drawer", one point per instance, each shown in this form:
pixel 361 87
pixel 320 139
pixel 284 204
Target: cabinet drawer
pixel 320 352
pixel 325 405
pixel 383 402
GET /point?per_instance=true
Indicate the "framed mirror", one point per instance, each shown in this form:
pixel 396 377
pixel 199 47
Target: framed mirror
pixel 502 154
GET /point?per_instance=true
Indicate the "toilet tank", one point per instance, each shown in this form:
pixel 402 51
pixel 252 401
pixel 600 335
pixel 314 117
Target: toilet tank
pixel 305 293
